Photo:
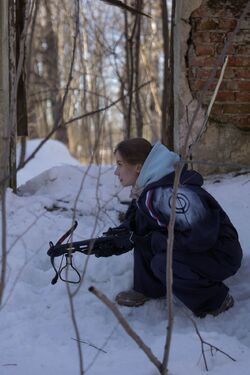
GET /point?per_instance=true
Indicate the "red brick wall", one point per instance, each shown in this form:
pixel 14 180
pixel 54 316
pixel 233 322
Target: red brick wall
pixel 211 25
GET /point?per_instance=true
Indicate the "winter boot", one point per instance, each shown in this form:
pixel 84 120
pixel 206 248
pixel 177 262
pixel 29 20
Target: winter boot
pixel 226 305
pixel 131 298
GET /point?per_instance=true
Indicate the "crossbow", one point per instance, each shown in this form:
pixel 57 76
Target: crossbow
pixel 113 242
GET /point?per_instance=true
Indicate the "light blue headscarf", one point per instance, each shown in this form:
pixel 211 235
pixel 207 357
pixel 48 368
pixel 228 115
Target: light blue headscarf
pixel 160 162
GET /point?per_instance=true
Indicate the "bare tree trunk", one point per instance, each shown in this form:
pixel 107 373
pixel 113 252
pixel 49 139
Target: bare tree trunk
pixel 151 51
pixel 166 125
pixel 138 109
pixel 171 90
pixel 85 131
pixel 132 74
pixel 4 121
pixel 129 76
pixel 176 34
pixel 22 150
pixel 22 120
pixel 13 62
pixel 4 86
pixel 53 75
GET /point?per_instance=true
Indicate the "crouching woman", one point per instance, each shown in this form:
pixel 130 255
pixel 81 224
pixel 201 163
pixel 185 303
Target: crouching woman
pixel 206 247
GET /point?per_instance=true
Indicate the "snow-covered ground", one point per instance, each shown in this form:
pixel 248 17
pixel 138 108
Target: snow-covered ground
pixel 36 332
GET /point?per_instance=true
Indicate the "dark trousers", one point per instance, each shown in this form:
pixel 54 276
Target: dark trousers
pixel 197 292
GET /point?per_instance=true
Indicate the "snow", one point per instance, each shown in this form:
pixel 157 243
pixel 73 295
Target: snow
pixel 37 334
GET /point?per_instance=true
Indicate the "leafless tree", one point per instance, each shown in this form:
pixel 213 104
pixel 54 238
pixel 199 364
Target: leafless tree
pixel 70 58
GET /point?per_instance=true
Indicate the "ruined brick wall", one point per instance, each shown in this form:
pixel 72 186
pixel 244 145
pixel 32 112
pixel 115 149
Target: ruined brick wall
pixel 211 24
pixel 228 134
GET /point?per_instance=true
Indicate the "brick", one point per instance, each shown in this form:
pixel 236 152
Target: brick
pixel 227 85
pixel 242 72
pixel 205 50
pixel 243 49
pixel 217 37
pixel 213 84
pixel 200 38
pixel 244 25
pixel 221 98
pixel 227 24
pixel 203 61
pixel 207 24
pixel 239 61
pixel 229 73
pixel 243 37
pixel 199 84
pixel 243 123
pixel 244 85
pixel 245 120
pixel 225 96
pixel 203 74
pixel 232 50
pixel 236 108
pixel 243 97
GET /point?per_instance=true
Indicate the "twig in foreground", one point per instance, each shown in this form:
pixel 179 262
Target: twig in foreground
pixel 203 343
pixel 89 344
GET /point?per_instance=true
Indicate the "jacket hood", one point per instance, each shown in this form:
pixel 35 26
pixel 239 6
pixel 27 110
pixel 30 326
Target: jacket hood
pixel 188 177
pixel 159 163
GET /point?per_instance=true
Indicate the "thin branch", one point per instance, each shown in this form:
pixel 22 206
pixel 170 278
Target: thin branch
pixel 130 71
pixel 203 343
pixel 203 126
pixel 96 216
pixel 138 111
pixel 75 326
pixel 89 344
pixel 169 273
pixel 125 7
pixel 57 125
pixel 103 346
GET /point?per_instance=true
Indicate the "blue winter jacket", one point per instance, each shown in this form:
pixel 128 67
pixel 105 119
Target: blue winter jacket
pixel 204 235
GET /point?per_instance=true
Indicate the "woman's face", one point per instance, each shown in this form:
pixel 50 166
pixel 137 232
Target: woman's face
pixel 127 173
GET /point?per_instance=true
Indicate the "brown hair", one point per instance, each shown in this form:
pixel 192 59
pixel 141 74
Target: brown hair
pixel 134 150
